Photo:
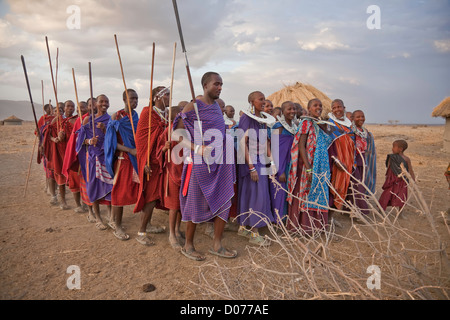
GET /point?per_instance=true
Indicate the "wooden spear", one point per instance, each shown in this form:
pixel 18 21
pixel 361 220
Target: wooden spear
pixel 126 90
pixel 76 95
pixel 92 101
pixel 54 84
pixel 150 108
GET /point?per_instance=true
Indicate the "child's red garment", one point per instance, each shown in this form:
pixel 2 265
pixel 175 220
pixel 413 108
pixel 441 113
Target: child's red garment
pixel 395 188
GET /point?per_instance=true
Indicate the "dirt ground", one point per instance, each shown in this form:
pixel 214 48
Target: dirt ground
pixel 38 242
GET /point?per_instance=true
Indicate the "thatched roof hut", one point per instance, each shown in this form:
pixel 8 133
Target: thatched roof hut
pixel 12 121
pixel 443 110
pixel 301 93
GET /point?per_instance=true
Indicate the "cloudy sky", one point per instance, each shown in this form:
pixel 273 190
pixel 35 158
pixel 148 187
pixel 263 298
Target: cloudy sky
pixel 397 72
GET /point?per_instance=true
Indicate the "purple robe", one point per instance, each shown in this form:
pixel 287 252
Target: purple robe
pixel 209 194
pixel 253 195
pixel 92 161
pixel 282 161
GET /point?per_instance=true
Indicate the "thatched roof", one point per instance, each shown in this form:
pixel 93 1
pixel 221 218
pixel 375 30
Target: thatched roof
pixel 443 109
pixel 13 118
pixel 300 93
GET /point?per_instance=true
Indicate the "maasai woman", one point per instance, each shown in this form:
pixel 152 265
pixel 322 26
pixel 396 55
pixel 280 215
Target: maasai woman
pixel 365 163
pixel 312 142
pixel 286 129
pixel 92 158
pixel 253 182
pixel 341 154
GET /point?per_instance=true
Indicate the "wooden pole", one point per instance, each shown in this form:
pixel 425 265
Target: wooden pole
pixel 170 99
pixel 29 167
pixel 92 101
pixel 150 108
pixel 126 90
pixel 54 84
pixel 76 95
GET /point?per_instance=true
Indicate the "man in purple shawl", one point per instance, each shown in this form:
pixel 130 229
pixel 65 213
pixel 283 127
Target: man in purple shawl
pixel 91 156
pixel 206 190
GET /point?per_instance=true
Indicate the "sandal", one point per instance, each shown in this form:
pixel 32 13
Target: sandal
pixel 91 219
pixel 143 239
pixel 121 235
pixel 189 254
pixel 259 240
pixel 243 232
pixel 100 226
pixel 155 229
pixel 223 253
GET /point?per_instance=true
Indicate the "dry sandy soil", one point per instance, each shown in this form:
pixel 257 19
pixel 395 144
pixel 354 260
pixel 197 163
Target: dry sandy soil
pixel 39 242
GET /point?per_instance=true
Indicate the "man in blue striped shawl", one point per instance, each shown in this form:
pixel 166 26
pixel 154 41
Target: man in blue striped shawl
pixel 206 191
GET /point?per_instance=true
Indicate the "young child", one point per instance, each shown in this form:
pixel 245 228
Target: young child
pixel 395 188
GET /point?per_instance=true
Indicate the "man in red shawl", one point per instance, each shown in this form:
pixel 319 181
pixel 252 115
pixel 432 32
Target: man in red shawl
pixel 43 123
pixel 59 133
pixel 120 161
pixel 150 176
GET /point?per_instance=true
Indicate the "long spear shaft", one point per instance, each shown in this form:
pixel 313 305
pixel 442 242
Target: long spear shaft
pixel 180 31
pixel 54 85
pixel 126 90
pixel 171 95
pixel 150 108
pixel 76 95
pixel 29 92
pixel 92 101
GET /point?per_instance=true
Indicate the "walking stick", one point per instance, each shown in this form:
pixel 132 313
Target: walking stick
pixel 92 101
pixel 177 16
pixel 150 108
pixel 126 90
pixel 169 131
pixel 171 95
pixel 76 95
pixel 29 168
pixel 54 85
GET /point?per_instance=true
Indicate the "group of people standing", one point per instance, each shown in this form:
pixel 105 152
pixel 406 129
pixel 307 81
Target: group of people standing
pixel 287 168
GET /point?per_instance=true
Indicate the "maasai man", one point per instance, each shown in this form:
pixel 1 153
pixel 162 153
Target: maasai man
pixel 92 158
pixel 206 190
pixel 341 155
pixel 43 123
pixel 91 108
pixel 311 142
pixel 254 204
pixel 229 117
pixel 171 182
pixel 57 151
pixel 286 129
pixel 71 166
pixel 121 162
pixel 150 177
pixel 365 171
